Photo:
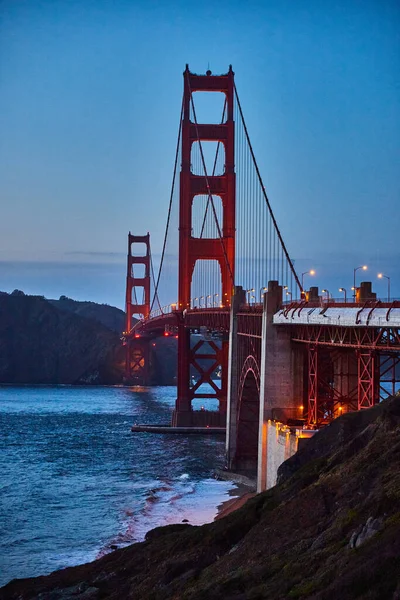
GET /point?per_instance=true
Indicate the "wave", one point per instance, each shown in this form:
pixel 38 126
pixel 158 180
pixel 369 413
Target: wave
pixel 177 501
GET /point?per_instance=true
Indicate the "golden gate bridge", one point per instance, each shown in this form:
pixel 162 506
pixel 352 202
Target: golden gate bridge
pixel 282 352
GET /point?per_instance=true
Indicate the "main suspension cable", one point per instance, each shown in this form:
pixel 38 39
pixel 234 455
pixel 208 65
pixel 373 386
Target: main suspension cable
pixel 169 213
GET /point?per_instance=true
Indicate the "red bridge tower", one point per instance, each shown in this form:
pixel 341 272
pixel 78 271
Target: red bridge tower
pixel 192 249
pixel 137 365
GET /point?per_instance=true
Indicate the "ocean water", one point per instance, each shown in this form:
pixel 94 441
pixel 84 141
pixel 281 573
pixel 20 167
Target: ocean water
pixel 74 480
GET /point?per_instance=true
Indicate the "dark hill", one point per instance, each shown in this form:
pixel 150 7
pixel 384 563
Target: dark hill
pixel 110 316
pixel 329 531
pixel 40 343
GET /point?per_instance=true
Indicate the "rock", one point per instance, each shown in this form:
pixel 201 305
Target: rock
pixel 158 532
pixel 364 533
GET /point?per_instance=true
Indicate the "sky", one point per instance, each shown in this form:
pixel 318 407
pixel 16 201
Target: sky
pixel 90 96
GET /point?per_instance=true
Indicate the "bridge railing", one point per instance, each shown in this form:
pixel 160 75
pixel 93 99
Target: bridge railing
pixel 340 301
pixel 164 310
pixel 257 306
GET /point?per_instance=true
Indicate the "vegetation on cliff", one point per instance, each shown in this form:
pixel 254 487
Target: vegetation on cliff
pixel 329 530
pixel 43 343
pixel 113 318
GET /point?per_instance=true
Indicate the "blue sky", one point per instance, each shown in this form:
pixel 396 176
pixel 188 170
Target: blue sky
pixel 90 96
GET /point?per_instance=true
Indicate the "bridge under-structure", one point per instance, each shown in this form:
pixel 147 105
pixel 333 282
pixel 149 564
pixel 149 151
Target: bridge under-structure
pixel 277 370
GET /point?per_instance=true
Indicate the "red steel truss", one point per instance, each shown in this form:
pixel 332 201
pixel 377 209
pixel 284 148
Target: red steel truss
pixel 382 338
pixel 312 386
pixel 367 391
pixel 377 352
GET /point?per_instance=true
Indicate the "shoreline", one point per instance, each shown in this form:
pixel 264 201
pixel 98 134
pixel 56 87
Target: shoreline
pixel 240 494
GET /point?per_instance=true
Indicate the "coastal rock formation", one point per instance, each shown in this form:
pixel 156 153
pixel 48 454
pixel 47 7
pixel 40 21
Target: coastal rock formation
pixel 295 541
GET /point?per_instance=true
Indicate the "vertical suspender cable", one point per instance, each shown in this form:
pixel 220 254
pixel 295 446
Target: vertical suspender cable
pixel 279 236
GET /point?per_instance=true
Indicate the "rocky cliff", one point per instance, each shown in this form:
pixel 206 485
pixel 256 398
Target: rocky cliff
pixel 329 531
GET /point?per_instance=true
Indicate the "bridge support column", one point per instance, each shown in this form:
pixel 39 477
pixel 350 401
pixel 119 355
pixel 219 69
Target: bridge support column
pixel 182 415
pixel 344 382
pixel 281 380
pixel 138 369
pixel 238 298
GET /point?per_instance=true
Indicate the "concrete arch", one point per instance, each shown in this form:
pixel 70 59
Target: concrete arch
pixel 248 417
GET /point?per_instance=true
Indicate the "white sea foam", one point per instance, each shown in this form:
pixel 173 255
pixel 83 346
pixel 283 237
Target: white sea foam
pixel 170 503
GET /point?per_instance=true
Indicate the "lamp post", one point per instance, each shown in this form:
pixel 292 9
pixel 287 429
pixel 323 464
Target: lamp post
pixel 345 294
pixel 263 289
pixel 364 268
pixel 209 296
pixel 311 272
pixel 200 299
pixel 249 292
pixel 215 302
pixel 380 276
pixel 289 294
pixel 326 292
pixel 194 302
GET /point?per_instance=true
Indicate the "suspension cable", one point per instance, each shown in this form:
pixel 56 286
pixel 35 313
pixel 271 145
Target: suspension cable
pixel 265 193
pixel 169 213
pixel 154 281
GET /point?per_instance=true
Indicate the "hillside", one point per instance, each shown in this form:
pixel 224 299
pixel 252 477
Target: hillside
pixel 329 530
pixel 113 318
pixel 40 343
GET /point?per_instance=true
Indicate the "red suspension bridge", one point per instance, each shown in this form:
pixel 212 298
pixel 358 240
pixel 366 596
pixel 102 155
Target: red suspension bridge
pixel 222 274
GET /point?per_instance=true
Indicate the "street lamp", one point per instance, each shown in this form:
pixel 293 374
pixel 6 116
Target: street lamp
pixel 249 292
pixel 345 294
pixel 326 292
pixel 289 294
pixel 364 268
pixel 209 296
pixel 194 302
pixel 263 289
pixel 380 276
pixel 200 299
pixel 215 302
pixel 311 272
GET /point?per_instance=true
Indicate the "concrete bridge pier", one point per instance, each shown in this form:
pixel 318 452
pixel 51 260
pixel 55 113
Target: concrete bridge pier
pixel 238 298
pixel 281 389
pixel 264 396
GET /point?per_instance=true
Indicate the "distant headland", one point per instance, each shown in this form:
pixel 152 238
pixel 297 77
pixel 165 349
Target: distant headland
pixel 65 341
